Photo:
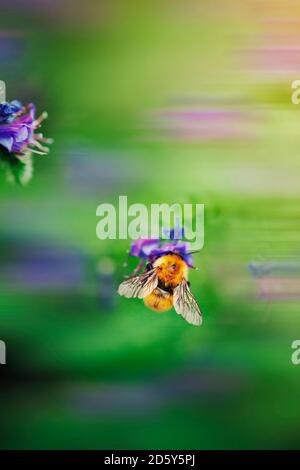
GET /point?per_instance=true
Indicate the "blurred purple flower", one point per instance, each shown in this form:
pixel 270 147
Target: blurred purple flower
pixel 17 130
pixel 8 111
pixel 36 266
pixel 202 123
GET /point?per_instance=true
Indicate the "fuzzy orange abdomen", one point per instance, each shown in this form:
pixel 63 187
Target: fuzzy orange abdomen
pixel 159 300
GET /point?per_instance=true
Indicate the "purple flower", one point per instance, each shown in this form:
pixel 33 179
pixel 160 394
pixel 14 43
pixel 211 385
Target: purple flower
pixel 142 248
pixel 17 130
pixel 8 111
pixel 180 248
pixel 150 249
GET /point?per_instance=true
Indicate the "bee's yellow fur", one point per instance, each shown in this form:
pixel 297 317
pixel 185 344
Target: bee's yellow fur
pixel 159 300
pixel 171 269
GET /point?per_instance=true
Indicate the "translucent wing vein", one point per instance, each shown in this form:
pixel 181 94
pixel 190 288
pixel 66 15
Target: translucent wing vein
pixel 186 305
pixel 139 286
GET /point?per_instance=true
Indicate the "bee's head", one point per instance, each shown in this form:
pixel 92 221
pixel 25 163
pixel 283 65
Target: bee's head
pixel 170 263
pixel 171 267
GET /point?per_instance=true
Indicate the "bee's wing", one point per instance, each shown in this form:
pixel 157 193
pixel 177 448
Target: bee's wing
pixel 139 286
pixel 186 305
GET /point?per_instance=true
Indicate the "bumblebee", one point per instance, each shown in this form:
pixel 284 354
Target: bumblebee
pixel 164 285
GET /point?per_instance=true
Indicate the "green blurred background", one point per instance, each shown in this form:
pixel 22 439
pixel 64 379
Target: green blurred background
pixel 163 101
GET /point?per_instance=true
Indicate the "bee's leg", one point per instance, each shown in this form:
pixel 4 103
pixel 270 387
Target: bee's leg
pixel 149 266
pixel 139 267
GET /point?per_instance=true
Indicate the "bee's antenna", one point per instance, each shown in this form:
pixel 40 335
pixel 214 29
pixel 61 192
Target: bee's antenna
pixel 193 251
